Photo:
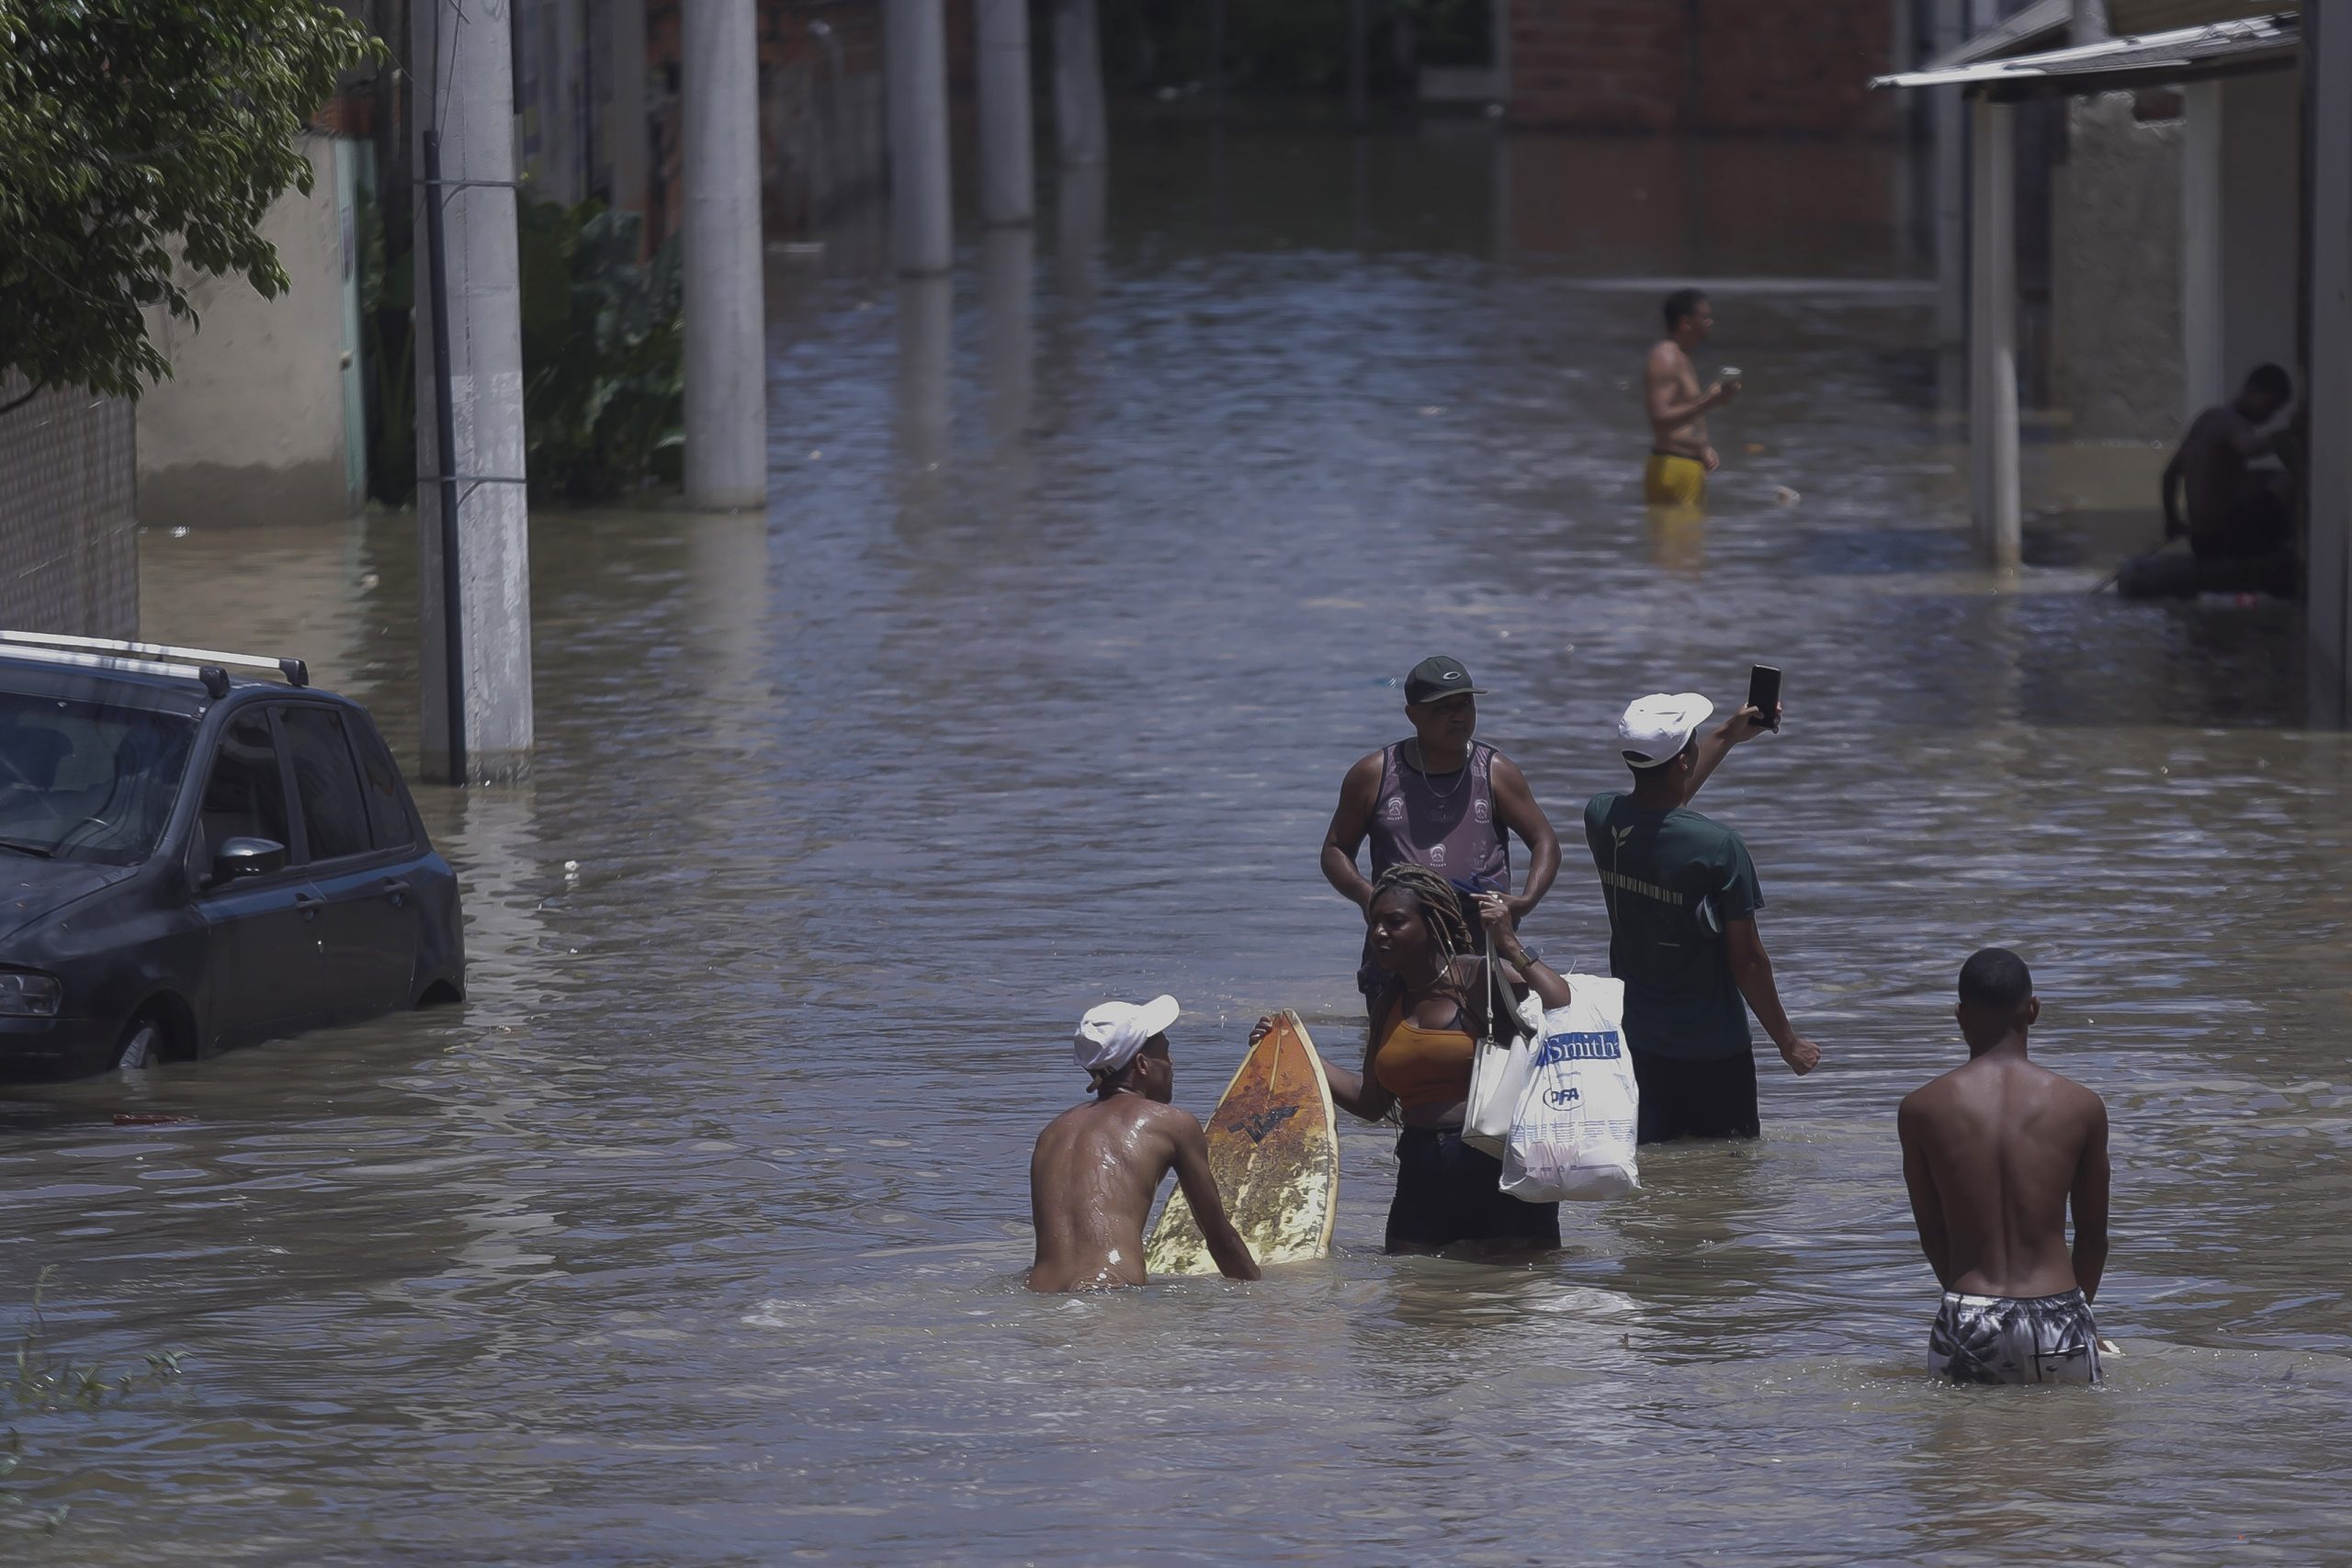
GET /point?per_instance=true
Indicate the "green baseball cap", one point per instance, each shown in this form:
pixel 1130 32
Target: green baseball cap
pixel 1436 678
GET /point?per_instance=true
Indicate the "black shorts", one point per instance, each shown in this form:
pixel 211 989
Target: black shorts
pixel 1449 1192
pixel 1696 1100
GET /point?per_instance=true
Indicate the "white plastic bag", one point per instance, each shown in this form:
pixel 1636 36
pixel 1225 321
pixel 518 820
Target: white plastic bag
pixel 1572 1135
pixel 1498 1073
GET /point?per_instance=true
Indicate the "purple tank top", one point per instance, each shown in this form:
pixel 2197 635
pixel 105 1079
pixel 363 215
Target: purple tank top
pixel 1451 830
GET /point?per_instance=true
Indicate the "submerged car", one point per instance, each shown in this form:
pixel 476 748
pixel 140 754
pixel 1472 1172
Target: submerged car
pixel 193 857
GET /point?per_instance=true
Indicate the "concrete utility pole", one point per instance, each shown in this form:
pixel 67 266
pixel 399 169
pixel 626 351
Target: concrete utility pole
pixel 2089 23
pixel 1080 120
pixel 2327 76
pixel 474 567
pixel 727 399
pixel 1993 336
pixel 915 61
pixel 1008 145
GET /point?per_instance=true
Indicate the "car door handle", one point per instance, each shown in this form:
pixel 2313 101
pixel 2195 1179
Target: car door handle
pixel 395 889
pixel 310 904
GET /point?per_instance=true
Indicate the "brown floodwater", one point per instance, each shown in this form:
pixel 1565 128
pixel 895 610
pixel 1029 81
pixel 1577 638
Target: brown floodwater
pixel 696 1236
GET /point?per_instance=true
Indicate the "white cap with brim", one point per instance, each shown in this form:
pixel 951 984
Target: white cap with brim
pixel 1656 728
pixel 1110 1035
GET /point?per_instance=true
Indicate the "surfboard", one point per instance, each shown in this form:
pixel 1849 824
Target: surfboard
pixel 1275 1148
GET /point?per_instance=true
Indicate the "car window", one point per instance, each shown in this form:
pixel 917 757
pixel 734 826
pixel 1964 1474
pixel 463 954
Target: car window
pixel 244 798
pixel 387 815
pixel 335 814
pixel 87 780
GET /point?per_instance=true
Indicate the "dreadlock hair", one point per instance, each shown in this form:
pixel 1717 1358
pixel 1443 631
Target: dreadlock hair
pixel 1441 907
pixel 1450 933
pixel 1449 928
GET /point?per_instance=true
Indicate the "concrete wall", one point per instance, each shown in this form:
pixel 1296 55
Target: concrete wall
pixel 2115 273
pixel 2261 164
pixel 69 551
pixel 250 426
pixel 1747 66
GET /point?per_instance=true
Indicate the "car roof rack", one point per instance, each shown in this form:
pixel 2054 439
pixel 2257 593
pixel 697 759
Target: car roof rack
pixel 215 679
pixel 160 655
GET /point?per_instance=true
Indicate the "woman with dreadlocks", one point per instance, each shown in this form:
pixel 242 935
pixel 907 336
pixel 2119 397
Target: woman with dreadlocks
pixel 1428 1015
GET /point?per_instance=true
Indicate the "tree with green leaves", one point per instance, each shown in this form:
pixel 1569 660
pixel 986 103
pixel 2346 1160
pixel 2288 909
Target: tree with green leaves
pixel 133 130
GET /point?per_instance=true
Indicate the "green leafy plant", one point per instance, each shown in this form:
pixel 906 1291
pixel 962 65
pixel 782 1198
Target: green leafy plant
pixel 603 351
pixel 388 351
pixel 35 1383
pixel 131 127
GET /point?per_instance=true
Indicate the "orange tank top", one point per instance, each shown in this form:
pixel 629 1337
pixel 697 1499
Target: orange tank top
pixel 1424 1066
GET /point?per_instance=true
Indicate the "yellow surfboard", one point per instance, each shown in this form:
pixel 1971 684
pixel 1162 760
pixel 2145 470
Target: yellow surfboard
pixel 1275 1148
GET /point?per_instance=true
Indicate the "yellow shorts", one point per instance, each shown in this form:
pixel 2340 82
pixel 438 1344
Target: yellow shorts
pixel 1671 479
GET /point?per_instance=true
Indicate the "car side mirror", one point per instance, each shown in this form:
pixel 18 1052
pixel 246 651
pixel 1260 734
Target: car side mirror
pixel 241 858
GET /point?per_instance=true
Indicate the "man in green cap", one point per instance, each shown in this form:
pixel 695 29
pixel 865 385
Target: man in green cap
pixel 1441 800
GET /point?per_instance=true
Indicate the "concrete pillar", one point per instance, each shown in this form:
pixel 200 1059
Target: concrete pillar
pixel 1992 336
pixel 914 58
pixel 1081 122
pixel 2089 23
pixel 475 595
pixel 727 403
pixel 1008 176
pixel 2202 372
pixel 2327 365
pixel 1948 116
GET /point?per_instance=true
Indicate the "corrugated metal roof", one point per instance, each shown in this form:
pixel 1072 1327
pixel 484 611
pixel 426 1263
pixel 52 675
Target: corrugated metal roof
pixel 2043 22
pixel 2184 54
pixel 2146 17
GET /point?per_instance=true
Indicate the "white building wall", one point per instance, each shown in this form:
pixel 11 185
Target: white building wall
pixel 251 425
pixel 2116 271
pixel 2261 164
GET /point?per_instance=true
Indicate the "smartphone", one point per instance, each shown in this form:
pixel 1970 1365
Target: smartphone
pixel 1764 694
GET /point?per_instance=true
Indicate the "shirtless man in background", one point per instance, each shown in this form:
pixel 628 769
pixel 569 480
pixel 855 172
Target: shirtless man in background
pixel 2233 512
pixel 1097 1165
pixel 1680 458
pixel 1993 1153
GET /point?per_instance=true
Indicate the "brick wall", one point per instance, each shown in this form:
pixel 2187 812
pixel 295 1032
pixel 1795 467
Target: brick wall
pixel 1774 66
pixel 821 113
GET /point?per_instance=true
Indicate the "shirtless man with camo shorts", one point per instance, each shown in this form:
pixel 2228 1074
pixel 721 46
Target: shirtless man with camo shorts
pixel 1994 1152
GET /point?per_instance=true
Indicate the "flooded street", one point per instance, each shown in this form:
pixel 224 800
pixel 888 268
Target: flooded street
pixel 696 1236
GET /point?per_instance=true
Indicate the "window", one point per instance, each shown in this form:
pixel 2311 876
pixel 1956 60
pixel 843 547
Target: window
pixel 334 814
pixel 87 781
pixel 386 809
pixel 245 798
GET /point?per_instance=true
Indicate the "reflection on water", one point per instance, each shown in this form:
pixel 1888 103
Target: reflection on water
pixel 696 1236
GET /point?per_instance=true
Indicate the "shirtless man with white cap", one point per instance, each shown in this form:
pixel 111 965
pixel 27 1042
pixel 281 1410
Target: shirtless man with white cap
pixel 1097 1165
pixel 1682 900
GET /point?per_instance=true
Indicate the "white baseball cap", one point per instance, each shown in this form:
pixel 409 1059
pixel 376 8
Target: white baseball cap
pixel 1110 1035
pixel 1656 728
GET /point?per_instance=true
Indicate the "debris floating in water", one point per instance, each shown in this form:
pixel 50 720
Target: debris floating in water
pixel 1756 448
pixel 180 532
pixel 1784 495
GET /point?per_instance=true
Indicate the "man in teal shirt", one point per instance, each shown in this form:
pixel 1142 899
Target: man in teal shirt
pixel 1682 900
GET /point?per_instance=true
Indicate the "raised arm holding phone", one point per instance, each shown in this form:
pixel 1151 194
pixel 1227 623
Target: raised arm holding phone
pixel 1682 897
